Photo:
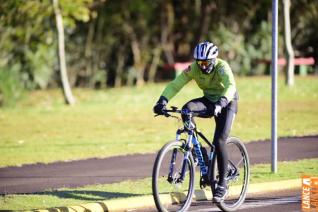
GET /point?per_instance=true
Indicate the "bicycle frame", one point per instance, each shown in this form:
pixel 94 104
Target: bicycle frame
pixel 192 140
pixel 190 148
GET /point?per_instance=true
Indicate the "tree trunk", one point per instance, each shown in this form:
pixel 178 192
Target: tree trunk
pixel 120 67
pixel 88 51
pixel 98 56
pixel 167 23
pixel 288 45
pixel 154 64
pixel 203 25
pixel 69 99
pixel 139 67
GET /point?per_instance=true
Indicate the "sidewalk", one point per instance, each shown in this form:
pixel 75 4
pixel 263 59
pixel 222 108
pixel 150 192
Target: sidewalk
pixel 135 203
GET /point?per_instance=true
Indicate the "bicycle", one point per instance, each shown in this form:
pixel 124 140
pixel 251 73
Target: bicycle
pixel 174 169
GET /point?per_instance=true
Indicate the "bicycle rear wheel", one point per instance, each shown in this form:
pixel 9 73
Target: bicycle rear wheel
pixel 237 177
pixel 170 191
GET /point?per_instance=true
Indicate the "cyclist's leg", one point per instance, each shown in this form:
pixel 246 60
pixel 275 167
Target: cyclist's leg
pixel 202 105
pixel 222 130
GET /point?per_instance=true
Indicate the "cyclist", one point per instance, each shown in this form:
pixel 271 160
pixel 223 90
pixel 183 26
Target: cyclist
pixel 214 76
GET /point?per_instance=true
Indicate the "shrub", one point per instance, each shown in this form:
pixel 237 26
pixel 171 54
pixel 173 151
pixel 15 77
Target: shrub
pixel 11 88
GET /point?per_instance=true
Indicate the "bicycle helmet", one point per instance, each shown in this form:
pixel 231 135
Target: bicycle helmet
pixel 205 54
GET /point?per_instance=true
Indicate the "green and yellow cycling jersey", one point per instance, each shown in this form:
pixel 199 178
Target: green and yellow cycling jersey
pixel 214 85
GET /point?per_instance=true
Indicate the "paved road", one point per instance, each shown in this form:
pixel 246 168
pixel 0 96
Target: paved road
pixel 40 177
pixel 280 201
pixel 283 201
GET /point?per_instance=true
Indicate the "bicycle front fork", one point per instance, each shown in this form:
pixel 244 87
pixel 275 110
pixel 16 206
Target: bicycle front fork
pixel 173 160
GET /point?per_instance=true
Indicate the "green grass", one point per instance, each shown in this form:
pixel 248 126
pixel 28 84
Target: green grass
pixel 120 121
pixel 93 193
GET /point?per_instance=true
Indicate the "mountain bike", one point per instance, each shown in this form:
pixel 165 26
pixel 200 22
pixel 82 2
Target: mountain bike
pixel 173 175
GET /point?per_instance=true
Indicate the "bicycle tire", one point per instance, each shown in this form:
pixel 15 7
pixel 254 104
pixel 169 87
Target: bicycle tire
pixel 235 199
pixel 165 200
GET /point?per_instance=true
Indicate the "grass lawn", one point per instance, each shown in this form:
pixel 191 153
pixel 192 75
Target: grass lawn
pixel 120 121
pixel 94 193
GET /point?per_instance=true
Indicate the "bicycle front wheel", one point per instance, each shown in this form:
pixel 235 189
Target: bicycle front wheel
pixel 172 190
pixel 238 174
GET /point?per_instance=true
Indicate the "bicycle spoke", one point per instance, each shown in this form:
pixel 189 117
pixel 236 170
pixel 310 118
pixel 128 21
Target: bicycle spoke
pixel 238 164
pixel 172 194
pixel 238 176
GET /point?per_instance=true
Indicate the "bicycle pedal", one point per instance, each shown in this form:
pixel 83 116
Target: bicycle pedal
pixel 203 186
pixel 204 182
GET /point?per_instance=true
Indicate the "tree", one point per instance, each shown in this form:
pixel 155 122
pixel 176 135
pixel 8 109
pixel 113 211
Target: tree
pixel 288 45
pixel 115 43
pixel 305 25
pixel 167 18
pixel 60 29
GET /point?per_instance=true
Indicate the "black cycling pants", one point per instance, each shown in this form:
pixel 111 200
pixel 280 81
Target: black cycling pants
pixel 223 126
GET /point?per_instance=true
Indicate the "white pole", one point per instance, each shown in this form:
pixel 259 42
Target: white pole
pixel 274 83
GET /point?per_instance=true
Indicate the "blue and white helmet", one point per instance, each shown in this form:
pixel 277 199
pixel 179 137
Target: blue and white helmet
pixel 205 54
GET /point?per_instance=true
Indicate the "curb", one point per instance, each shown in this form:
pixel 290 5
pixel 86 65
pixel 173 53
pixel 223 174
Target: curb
pixel 133 203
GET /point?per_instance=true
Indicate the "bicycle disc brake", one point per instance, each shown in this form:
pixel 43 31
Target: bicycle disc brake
pixel 232 172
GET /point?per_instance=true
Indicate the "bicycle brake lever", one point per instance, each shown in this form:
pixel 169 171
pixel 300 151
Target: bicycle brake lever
pixel 174 108
pixel 175 117
pixel 166 115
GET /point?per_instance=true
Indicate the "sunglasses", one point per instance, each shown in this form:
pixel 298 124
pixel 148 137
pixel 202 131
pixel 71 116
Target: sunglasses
pixel 204 63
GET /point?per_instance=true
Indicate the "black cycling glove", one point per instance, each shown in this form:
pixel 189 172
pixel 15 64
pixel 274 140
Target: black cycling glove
pixel 160 105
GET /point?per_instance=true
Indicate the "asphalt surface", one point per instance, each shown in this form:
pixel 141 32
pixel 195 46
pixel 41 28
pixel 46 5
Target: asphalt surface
pixel 40 177
pixel 283 201
pixel 277 201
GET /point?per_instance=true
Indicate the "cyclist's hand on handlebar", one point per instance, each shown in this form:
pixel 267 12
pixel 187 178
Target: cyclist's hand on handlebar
pixel 159 109
pixel 160 106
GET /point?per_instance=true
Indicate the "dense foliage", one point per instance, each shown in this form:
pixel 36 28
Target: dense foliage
pixel 115 43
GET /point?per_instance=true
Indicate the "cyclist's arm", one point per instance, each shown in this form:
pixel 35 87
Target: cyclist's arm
pixel 228 83
pixel 175 86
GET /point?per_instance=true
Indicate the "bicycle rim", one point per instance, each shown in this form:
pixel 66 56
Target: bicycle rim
pixel 237 180
pixel 171 194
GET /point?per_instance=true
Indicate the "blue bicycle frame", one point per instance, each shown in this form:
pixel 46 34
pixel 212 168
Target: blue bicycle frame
pixel 191 140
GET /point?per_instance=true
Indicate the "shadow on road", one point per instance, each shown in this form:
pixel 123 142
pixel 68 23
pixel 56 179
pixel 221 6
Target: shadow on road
pixel 88 195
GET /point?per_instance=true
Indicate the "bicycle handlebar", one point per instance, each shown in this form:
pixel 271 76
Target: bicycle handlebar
pixel 175 109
